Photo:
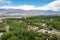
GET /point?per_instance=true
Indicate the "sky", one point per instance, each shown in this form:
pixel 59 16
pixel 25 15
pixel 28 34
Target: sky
pixel 31 4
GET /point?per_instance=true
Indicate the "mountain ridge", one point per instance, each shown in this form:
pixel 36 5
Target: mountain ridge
pixel 20 12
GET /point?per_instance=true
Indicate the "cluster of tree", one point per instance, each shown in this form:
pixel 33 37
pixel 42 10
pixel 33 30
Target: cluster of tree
pixel 18 28
pixel 52 22
pixel 27 35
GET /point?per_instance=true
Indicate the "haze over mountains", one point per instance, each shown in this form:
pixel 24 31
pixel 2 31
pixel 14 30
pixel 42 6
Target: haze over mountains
pixel 22 13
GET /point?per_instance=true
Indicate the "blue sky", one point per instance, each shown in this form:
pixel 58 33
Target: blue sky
pixel 31 4
pixel 26 2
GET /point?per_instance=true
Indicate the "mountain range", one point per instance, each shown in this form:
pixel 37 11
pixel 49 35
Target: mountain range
pixel 26 13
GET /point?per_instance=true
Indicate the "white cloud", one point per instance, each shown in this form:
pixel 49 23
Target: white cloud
pixel 24 7
pixel 55 5
pixel 5 2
